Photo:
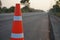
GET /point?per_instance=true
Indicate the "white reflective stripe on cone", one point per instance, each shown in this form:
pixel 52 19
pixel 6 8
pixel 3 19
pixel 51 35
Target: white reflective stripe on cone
pixel 17 18
pixel 13 35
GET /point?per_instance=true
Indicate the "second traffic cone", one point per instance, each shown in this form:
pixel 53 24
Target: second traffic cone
pixel 17 28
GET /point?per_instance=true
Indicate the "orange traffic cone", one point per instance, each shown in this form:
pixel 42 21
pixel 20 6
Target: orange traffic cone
pixel 17 29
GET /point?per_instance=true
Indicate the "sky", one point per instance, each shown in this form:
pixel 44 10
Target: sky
pixel 37 4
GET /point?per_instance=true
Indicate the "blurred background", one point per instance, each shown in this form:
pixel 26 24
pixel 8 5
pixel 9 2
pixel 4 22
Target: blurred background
pixel 41 19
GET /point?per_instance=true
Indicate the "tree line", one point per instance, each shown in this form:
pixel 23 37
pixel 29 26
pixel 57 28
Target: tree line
pixel 11 9
pixel 7 10
pixel 26 8
pixel 56 7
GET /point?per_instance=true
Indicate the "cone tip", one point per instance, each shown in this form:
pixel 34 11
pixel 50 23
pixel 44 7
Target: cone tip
pixel 17 10
pixel 17 4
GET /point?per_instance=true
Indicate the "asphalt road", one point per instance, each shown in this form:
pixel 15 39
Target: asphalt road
pixel 55 21
pixel 36 26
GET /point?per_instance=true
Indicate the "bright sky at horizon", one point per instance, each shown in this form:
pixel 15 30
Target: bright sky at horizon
pixel 40 4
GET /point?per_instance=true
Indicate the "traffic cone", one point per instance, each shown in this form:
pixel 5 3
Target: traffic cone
pixel 17 28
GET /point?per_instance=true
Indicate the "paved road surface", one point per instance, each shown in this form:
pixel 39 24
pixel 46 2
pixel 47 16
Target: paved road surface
pixel 36 26
pixel 56 26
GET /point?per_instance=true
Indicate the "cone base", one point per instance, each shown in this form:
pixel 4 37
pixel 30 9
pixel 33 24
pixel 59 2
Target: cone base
pixel 17 39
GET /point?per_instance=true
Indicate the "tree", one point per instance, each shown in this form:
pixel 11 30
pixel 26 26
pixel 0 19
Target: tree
pixel 4 10
pixel 26 3
pixel 11 9
pixel 56 7
pixel 0 4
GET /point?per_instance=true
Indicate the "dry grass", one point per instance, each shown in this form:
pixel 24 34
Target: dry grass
pixel 57 14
